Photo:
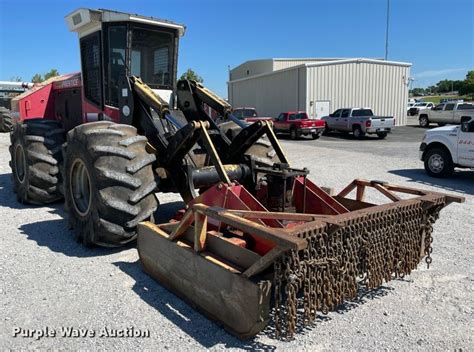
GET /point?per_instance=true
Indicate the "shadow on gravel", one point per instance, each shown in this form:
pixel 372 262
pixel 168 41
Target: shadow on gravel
pixel 196 325
pixel 461 181
pixel 7 197
pixel 56 235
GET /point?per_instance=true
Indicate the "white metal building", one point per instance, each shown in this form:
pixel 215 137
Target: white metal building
pixel 320 86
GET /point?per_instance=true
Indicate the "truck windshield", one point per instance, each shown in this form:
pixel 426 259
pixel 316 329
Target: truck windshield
pixel 362 112
pixel 152 57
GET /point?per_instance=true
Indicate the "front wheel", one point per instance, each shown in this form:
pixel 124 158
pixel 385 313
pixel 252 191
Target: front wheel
pixel 438 163
pixel 423 121
pixel 109 183
pixel 326 129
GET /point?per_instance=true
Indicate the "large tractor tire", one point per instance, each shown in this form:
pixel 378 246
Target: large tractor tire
pixel 109 183
pixel 35 159
pixel 6 123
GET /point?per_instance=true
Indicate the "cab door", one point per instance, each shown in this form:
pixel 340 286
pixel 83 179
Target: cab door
pixel 279 122
pixel 333 119
pixel 436 112
pixel 343 124
pixel 448 115
pixel 466 144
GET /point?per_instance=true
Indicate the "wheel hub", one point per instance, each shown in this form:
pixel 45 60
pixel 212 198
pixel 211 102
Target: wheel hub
pixel 20 163
pixel 80 187
pixel 436 163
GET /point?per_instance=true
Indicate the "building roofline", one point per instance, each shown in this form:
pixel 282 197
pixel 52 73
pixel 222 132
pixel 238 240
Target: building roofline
pixel 358 60
pixel 325 63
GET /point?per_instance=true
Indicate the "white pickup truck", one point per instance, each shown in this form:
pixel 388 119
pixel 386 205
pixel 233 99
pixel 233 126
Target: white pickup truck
pixel 447 113
pixel 359 121
pixel 445 148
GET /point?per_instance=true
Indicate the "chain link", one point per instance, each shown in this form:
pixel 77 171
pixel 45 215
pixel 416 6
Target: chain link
pixel 364 251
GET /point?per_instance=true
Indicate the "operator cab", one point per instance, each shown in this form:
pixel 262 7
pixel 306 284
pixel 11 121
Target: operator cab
pixel 114 45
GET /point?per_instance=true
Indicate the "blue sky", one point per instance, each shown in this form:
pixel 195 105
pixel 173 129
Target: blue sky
pixel 436 35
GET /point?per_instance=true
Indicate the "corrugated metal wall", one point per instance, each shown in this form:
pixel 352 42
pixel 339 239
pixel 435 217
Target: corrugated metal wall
pixel 380 86
pixel 271 94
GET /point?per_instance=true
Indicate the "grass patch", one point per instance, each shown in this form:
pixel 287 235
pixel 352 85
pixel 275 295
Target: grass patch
pixel 437 98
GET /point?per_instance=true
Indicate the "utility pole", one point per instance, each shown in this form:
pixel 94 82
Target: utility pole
pixel 386 33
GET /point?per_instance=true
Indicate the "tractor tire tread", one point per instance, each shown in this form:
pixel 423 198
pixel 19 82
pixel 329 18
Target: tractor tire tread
pixel 42 182
pixel 121 178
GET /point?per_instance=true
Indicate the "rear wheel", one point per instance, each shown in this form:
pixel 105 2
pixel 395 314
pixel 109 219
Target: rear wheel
pixel 438 163
pixel 423 121
pixel 35 159
pixel 6 123
pixel 109 183
pixel 315 135
pixel 357 132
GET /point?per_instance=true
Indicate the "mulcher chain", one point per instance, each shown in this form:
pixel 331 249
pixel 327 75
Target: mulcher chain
pixel 363 251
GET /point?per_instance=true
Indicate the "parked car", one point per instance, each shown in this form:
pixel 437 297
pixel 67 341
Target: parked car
pixel 447 113
pixel 415 109
pixel 297 124
pixel 359 121
pixel 445 148
pixel 248 114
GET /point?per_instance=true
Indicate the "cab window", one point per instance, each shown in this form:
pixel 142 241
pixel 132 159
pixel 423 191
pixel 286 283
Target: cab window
pixel 292 117
pixel 345 113
pixel 449 107
pixel 336 113
pixel 439 107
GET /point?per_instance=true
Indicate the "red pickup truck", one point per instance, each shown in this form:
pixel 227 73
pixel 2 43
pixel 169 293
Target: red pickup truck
pixel 297 124
pixel 248 115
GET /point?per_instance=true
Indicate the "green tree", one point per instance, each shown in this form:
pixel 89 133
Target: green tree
pixel 37 78
pixel 467 87
pixel 191 75
pixel 52 73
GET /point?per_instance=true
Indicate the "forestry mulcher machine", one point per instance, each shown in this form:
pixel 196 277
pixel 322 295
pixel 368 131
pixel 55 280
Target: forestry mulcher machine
pixel 256 239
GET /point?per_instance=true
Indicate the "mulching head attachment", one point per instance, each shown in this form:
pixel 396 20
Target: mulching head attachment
pixel 235 260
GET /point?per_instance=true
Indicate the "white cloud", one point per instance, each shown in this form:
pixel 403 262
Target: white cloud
pixel 437 73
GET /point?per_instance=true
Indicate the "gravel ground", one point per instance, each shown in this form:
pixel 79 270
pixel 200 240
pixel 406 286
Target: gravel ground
pixel 47 280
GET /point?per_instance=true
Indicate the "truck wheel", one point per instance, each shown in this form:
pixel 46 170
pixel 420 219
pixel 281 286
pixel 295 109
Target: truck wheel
pixel 6 123
pixel 326 129
pixel 35 159
pixel 315 135
pixel 294 134
pixel 382 135
pixel 109 183
pixel 423 121
pixel 438 163
pixel 357 132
